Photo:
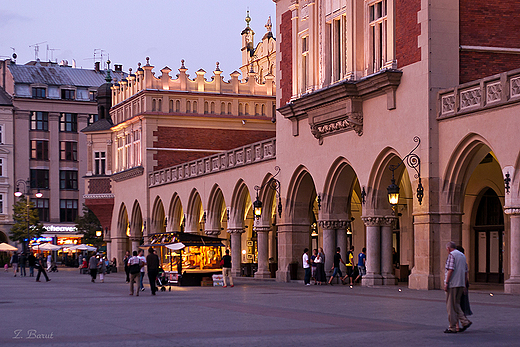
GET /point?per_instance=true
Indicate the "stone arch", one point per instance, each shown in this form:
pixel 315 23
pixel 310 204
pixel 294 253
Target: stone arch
pixel 216 212
pixel 301 195
pixel 3 237
pixel 240 204
pixel 123 226
pixel 158 221
pixel 194 213
pixel 175 215
pixel 136 221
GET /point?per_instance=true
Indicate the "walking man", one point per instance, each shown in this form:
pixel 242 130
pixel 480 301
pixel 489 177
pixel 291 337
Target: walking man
pixel 361 265
pixel 127 268
pixel 141 277
pixel 350 266
pixel 306 267
pixel 134 266
pixel 40 264
pixel 22 263
pixel 14 263
pixel 92 267
pixel 455 280
pixel 152 261
pixel 31 259
pixel 226 269
pixel 335 267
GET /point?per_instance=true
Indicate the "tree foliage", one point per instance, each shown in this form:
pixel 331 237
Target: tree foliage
pixel 19 229
pixel 88 224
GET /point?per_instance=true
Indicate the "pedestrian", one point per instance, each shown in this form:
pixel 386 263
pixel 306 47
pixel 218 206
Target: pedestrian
pixel 102 269
pixel 31 260
pixel 141 276
pixel 49 262
pixel 134 267
pixel 92 267
pixel 226 269
pixel 350 266
pixel 80 261
pixel 22 263
pixel 40 265
pixel 361 264
pixel 314 265
pixel 335 266
pixel 14 262
pixel 127 268
pixel 456 279
pixel 306 267
pixel 152 261
pixel 321 278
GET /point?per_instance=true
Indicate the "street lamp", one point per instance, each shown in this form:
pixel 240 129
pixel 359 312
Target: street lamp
pixel 274 184
pixel 19 193
pixel 413 161
pixel 98 233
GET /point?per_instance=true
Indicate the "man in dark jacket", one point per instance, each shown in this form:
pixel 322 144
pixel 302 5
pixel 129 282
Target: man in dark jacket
pixel 152 262
pixel 40 264
pixel 127 268
pixel 21 263
pixel 31 259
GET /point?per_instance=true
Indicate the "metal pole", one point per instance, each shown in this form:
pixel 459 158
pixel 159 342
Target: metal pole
pixel 28 236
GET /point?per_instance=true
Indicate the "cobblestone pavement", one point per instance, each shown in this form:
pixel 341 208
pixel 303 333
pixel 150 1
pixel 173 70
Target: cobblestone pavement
pixel 72 311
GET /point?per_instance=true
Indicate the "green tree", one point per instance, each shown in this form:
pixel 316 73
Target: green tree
pixel 88 224
pixel 19 229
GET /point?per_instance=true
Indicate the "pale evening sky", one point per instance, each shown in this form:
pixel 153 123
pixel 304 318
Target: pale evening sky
pixel 199 31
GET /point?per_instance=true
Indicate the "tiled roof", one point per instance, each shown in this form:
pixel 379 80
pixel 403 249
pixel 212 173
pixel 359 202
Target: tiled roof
pixel 60 75
pixel 5 99
pixel 100 125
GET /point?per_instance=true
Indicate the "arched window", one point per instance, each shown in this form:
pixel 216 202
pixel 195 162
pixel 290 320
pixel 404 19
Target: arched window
pixel 188 106
pixel 223 108
pixel 263 109
pixel 229 108
pixel 170 109
pixel 212 107
pixel 240 109
pixel 159 105
pixel 247 109
pixel 206 107
pixel 257 110
pixel 194 107
pixel 178 106
pixel 154 107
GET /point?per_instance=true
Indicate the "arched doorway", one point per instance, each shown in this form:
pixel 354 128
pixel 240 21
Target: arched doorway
pixel 489 239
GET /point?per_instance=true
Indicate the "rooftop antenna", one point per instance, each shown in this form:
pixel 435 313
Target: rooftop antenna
pixel 52 52
pixel 37 49
pixel 14 54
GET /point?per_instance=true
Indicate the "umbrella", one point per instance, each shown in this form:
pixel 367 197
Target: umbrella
pixel 175 246
pixel 4 247
pixel 47 247
pixel 82 248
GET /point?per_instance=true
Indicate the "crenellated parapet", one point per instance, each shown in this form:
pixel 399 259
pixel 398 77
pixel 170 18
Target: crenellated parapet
pixel 145 79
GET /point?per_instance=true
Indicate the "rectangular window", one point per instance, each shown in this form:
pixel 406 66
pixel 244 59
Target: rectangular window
pixel 40 121
pixel 68 180
pixel 2 203
pixel 40 149
pixel 68 210
pixel 99 163
pixel 68 94
pixel 39 178
pixel 1 167
pixel 378 33
pixel 43 208
pixel 69 122
pixel 92 118
pixel 68 150
pixel 1 134
pixel 38 93
pixel 92 95
pixel 305 53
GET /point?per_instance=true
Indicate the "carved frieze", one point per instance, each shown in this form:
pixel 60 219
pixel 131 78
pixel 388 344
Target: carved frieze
pixel 372 221
pixel 235 230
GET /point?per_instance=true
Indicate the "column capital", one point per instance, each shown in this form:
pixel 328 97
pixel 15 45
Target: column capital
pixel 334 224
pixel 236 230
pixel 343 224
pixel 388 220
pixel 372 221
pixel 512 210
pixel 212 232
pixel 262 228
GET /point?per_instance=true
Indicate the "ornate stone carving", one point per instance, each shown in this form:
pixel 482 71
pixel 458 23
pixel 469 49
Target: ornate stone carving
pixel 128 174
pixel 471 97
pixel 212 232
pixel 448 104
pixel 262 229
pixel 512 210
pixel 334 224
pixel 515 86
pixel 372 221
pixel 493 92
pixel 235 230
pixel 388 220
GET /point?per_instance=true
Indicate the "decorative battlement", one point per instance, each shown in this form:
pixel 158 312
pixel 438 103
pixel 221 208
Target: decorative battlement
pixel 237 157
pixel 144 79
pixel 483 94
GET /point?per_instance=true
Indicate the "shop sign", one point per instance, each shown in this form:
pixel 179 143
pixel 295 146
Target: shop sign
pixel 60 228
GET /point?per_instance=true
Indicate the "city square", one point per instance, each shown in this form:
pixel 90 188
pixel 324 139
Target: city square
pixel 71 311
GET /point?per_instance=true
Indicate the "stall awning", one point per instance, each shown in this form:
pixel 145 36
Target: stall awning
pixel 163 239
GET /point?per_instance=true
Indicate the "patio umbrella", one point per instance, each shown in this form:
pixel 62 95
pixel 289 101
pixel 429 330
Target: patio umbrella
pixel 47 247
pixel 83 248
pixel 4 247
pixel 175 246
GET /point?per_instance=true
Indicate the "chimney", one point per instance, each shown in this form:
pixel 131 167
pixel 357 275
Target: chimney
pixel 97 66
pixel 118 68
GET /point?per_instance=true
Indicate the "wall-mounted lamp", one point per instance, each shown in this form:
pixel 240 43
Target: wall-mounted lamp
pixel 99 233
pixel 414 162
pixel 274 184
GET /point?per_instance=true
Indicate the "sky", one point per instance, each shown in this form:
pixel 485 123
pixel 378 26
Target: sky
pixel 201 32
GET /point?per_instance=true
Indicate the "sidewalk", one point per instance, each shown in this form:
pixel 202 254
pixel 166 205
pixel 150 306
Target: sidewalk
pixel 72 311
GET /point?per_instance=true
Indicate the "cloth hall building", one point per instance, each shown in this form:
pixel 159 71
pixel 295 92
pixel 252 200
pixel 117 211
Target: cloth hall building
pixel 370 95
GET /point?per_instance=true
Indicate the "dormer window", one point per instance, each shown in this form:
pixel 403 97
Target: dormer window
pixel 38 93
pixel 68 94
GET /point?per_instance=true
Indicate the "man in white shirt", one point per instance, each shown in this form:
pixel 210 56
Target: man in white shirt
pixel 456 277
pixel 143 259
pixel 306 267
pixel 135 266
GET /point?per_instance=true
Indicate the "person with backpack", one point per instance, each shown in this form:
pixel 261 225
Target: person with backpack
pixel 362 268
pixel 134 266
pixel 350 266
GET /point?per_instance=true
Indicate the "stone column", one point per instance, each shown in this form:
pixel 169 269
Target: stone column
pixel 512 285
pixel 373 261
pixel 386 250
pixel 329 243
pixel 135 243
pixel 262 233
pixel 341 239
pixel 236 245
pixel 120 244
